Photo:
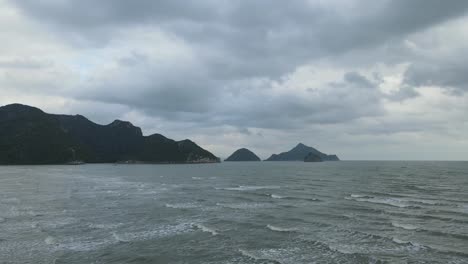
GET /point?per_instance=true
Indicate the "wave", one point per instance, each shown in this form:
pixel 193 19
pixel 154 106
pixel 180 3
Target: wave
pixel 248 188
pixel 11 200
pixel 360 196
pixel 346 250
pixel 82 245
pixel 50 240
pixel 463 208
pixel 245 205
pixel 428 215
pixel 104 226
pixel 257 257
pixel 274 196
pixel 182 205
pixel 446 234
pixel 414 246
pixel 402 200
pixel 118 238
pixel 60 222
pixel 161 231
pixel 424 201
pixel 206 229
pixel 387 201
pixel 91 244
pixel 248 254
pixel 404 226
pixel 197 178
pixel 281 229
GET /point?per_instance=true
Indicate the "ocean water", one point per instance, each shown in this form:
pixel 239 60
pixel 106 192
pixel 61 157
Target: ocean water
pixel 268 212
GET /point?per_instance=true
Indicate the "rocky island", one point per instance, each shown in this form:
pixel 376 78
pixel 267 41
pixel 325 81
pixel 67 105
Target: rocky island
pixel 243 154
pixel 30 136
pixel 302 152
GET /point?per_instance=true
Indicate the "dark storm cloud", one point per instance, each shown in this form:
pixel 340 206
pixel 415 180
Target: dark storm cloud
pixel 251 37
pixel 237 43
pixel 352 97
pixel 86 14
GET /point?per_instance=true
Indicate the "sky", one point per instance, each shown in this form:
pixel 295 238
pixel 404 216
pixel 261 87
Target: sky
pixel 366 80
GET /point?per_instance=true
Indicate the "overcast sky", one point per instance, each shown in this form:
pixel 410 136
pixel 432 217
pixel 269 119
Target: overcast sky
pixel 362 79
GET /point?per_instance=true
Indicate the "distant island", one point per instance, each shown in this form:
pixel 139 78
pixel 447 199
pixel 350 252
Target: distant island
pixel 30 136
pixel 243 154
pixel 302 152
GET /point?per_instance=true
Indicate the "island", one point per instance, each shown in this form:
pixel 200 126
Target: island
pixel 30 136
pixel 243 154
pixel 302 152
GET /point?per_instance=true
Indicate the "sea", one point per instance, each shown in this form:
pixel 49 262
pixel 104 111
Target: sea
pixel 238 212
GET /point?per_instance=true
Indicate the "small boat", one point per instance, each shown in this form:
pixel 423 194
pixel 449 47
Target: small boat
pixel 74 161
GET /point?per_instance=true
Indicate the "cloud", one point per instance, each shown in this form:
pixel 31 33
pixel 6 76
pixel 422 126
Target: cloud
pixel 23 63
pixel 229 72
pixel 450 75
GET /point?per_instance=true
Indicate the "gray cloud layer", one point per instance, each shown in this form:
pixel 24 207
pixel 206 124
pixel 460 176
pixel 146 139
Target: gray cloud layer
pixel 250 65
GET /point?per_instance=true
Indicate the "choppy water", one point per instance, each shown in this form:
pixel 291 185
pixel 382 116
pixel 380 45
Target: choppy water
pixel 269 212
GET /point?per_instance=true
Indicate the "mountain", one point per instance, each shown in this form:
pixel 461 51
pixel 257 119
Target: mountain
pixel 299 153
pixel 312 157
pixel 30 136
pixel 243 154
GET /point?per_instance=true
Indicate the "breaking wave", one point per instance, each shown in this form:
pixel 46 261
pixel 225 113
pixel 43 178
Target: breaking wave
pixel 248 188
pixel 206 229
pixel 404 226
pixel 396 202
pixel 281 229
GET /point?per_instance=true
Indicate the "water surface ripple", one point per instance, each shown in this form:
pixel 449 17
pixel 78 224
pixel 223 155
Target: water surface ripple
pixel 268 212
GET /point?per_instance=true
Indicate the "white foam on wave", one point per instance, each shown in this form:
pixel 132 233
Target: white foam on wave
pixel 414 246
pixel 197 178
pixel 398 241
pixel 275 196
pixel 377 200
pixel 404 226
pixel 105 226
pixel 182 205
pixel 161 231
pixel 60 222
pixel 50 240
pixel 281 229
pixel 248 254
pixel 90 243
pixel 118 238
pixel 248 188
pixel 358 196
pixel 422 201
pixel 244 205
pixel 206 229
pixel 274 255
pixel 341 249
pixel 15 211
pixel 83 245
pixel 388 201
